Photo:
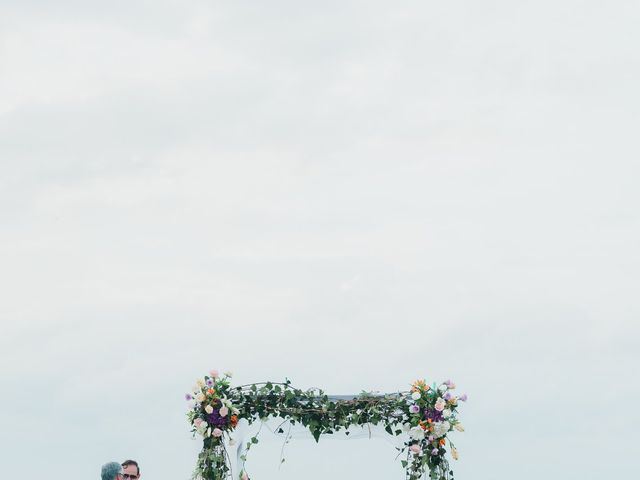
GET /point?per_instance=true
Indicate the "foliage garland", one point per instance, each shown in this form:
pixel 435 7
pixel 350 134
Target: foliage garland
pixel 426 414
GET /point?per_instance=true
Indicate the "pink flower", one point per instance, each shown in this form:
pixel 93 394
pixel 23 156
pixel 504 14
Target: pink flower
pixel 224 411
pixel 415 449
pixel 244 476
pixel 214 374
pixel 440 404
pixel 197 422
pixel 217 432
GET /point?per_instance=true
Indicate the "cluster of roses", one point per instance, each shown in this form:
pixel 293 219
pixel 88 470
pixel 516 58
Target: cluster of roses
pixel 211 413
pixel 432 414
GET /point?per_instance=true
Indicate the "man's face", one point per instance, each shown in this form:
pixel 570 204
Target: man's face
pixel 130 472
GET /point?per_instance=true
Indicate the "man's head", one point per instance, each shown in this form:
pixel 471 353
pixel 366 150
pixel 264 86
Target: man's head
pixel 111 471
pixel 130 470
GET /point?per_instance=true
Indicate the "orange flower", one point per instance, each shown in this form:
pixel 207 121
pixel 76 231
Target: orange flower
pixel 442 442
pixel 211 391
pixel 419 385
pixel 422 425
pixel 234 420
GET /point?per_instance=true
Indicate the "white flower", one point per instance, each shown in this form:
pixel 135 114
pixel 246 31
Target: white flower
pixel 200 383
pixel 416 395
pixel 440 429
pixel 200 397
pixel 446 413
pixel 209 432
pixel 202 428
pixel 228 373
pixel 443 388
pixel 416 433
pixel 406 427
pixel 208 409
pixel 191 404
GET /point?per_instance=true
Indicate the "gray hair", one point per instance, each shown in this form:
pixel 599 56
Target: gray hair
pixel 111 470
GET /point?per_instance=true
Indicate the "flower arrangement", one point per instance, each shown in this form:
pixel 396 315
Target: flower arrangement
pixel 425 414
pixel 211 415
pixel 432 415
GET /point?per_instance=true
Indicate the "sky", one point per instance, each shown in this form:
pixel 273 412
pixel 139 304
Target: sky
pixel 348 194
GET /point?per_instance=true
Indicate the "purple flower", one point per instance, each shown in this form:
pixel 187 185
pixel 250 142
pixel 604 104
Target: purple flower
pixel 414 408
pixel 214 418
pixel 434 415
pixel 448 396
pixel 188 397
pixel 434 451
pixel 463 397
pixel 209 382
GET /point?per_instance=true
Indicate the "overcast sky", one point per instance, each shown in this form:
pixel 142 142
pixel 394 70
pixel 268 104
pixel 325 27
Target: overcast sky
pixel 348 194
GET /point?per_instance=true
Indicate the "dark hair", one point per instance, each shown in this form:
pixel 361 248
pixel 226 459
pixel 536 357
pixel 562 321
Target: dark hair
pixel 126 463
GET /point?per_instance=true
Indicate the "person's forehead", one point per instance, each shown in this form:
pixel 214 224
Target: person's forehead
pixel 130 469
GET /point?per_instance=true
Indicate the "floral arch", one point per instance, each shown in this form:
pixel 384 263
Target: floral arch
pixel 422 418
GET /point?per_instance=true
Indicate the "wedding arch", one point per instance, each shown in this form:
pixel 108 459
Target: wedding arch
pixel 422 417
